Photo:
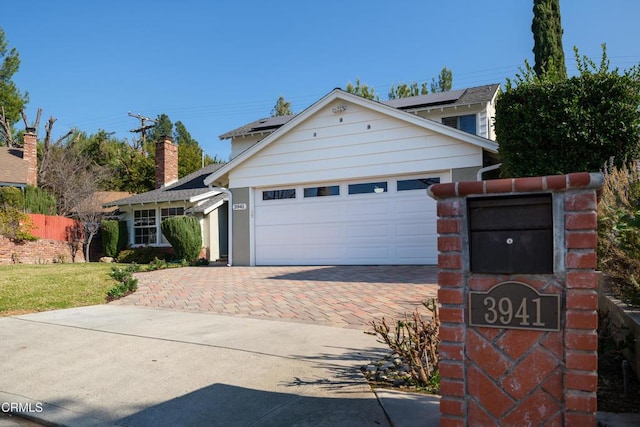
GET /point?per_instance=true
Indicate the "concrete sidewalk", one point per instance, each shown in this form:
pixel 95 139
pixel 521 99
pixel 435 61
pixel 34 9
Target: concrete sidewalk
pixel 133 366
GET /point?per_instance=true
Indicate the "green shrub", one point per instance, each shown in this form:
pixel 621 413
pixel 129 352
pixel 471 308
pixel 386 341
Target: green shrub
pixel 619 232
pixel 144 255
pixel 110 233
pixel 184 235
pixel 547 126
pixel 38 201
pixel 126 282
pixel 11 197
pixel 16 225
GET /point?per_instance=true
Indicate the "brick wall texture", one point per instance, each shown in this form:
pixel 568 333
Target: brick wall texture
pixel 53 244
pixel 43 251
pixel 166 162
pixel 513 377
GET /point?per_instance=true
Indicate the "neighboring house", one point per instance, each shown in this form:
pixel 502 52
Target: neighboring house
pixel 144 212
pixel 343 182
pixel 19 166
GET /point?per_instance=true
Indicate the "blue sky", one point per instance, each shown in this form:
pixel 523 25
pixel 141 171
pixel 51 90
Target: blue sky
pixel 216 65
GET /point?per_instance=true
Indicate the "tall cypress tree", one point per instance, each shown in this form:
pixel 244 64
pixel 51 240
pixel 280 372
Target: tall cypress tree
pixel 547 38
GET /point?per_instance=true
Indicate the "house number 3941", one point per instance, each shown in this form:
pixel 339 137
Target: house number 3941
pixel 514 305
pixel 502 312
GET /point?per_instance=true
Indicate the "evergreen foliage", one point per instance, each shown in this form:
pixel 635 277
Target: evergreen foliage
pixel 110 236
pixel 11 99
pixel 282 108
pixel 362 89
pixel 11 197
pixel 39 201
pixel 184 235
pixel 442 84
pixel 546 126
pixel 547 37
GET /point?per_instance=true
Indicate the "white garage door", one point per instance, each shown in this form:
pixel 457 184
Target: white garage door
pixel 378 221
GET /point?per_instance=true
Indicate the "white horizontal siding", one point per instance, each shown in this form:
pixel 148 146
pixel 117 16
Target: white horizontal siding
pixel 349 150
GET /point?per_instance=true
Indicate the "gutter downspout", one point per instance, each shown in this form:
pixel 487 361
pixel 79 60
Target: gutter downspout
pixel 486 169
pixel 230 222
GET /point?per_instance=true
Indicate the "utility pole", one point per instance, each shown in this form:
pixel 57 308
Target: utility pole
pixel 142 129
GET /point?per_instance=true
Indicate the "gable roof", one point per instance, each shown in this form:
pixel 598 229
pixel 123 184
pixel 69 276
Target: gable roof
pixel 181 190
pixel 13 169
pixel 377 106
pixel 452 98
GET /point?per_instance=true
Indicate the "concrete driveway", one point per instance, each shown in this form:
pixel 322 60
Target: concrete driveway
pixel 341 296
pixel 136 363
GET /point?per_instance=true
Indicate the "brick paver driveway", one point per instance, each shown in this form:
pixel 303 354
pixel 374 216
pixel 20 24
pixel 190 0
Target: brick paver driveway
pixel 343 296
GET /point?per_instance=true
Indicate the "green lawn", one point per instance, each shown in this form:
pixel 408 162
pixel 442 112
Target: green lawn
pixel 31 288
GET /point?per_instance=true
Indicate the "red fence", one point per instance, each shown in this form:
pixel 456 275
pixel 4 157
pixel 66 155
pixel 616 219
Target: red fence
pixel 52 227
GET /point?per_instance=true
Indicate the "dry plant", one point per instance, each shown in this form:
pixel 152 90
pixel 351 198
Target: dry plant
pixel 415 340
pixel 619 231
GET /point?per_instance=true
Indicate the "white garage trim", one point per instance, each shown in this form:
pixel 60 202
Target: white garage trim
pixel 384 227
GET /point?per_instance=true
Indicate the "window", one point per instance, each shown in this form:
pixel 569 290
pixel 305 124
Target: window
pixel 144 226
pixel 369 187
pixel 416 184
pixel 168 213
pixel 279 194
pixel 332 190
pixel 465 123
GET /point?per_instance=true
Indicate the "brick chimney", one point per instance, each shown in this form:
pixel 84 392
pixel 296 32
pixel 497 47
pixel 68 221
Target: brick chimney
pixel 30 155
pixel 166 162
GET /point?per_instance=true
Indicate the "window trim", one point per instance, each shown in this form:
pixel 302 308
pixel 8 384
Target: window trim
pixel 308 195
pixel 435 179
pixel 150 225
pixel 376 184
pixel 286 193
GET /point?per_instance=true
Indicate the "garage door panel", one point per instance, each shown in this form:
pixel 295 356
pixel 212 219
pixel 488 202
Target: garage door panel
pixel 292 233
pixel 405 206
pixel 387 228
pixel 369 231
pixel 300 255
pixel 417 254
pixel 292 214
pixel 414 231
pixel 367 254
pixel 366 209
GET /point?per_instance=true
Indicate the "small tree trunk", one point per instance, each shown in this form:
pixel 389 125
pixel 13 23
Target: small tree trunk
pixel 90 235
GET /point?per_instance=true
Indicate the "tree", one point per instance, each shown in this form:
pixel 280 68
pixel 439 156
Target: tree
pixel 70 176
pixel 191 156
pixel 547 38
pixel 546 126
pixel 444 83
pixel 282 108
pixel 89 213
pixel 404 90
pixel 12 101
pixel 362 90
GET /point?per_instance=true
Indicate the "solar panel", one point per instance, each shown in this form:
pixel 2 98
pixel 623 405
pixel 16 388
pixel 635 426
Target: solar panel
pixel 429 99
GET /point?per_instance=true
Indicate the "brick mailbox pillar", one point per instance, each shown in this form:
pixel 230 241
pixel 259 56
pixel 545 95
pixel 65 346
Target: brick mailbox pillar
pixel 518 295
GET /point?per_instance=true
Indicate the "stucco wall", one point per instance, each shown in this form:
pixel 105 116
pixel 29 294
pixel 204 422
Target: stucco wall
pixel 241 227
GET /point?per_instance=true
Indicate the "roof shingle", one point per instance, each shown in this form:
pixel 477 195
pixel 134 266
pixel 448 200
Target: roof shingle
pixel 183 189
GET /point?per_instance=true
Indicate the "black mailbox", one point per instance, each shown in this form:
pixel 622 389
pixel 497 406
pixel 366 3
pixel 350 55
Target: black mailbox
pixel 511 234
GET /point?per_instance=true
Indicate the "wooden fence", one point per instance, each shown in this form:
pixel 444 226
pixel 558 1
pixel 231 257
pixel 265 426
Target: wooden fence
pixel 53 227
